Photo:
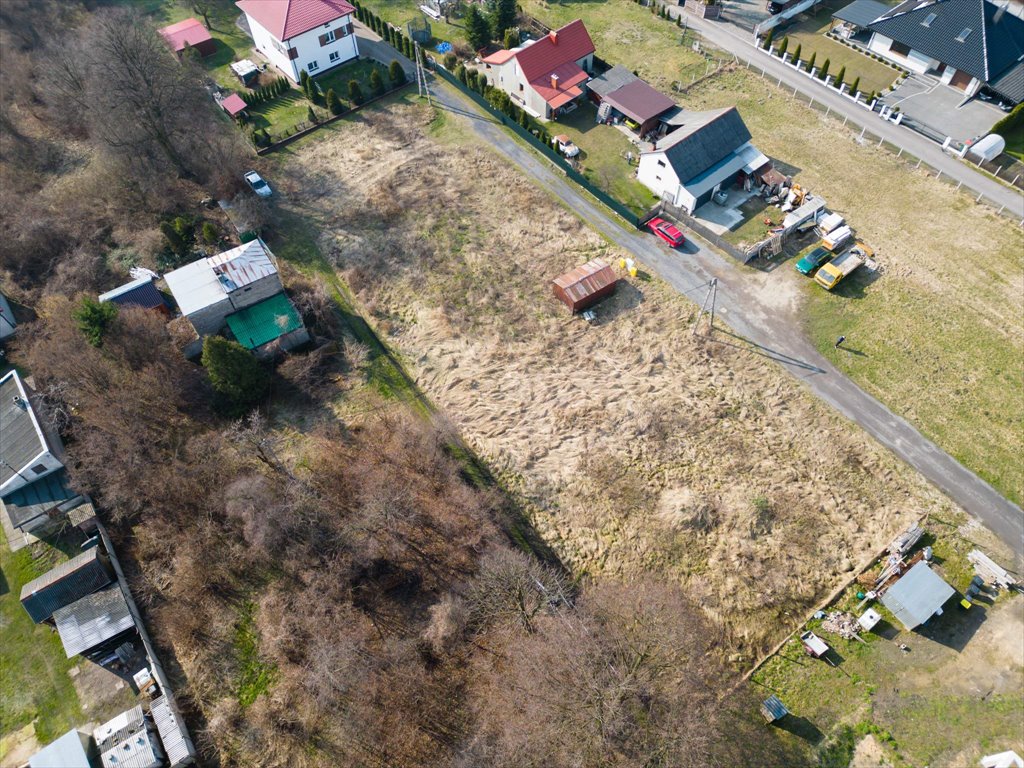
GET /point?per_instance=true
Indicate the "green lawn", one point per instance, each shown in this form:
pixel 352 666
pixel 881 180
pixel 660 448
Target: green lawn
pixel 399 12
pixel 810 34
pixel 753 229
pixel 602 156
pixel 34 684
pixel 625 33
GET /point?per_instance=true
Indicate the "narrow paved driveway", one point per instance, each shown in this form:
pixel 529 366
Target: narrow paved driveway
pixel 739 43
pixel 760 323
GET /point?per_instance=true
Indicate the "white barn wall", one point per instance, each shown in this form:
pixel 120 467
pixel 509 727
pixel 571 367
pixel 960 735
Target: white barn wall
pixel 307 47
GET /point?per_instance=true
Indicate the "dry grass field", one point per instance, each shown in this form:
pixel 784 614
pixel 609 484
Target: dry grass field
pixel 942 329
pixel 633 445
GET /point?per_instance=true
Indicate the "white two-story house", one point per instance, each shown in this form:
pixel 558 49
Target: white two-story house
pixel 296 35
pixel 544 76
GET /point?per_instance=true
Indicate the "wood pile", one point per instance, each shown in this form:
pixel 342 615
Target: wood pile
pixel 841 623
pixel 906 540
pixel 991 572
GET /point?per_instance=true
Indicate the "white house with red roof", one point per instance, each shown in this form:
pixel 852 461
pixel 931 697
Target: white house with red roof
pixel 296 35
pixel 544 76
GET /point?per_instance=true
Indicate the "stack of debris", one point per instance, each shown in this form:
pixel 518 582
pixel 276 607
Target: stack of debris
pixel 906 540
pixel 842 624
pixel 991 572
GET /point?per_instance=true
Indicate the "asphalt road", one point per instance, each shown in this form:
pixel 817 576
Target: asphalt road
pixel 757 321
pixel 738 42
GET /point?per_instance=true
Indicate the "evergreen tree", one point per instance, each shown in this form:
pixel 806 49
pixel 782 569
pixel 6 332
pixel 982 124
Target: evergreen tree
pixel 511 38
pixel 824 69
pixel 311 115
pixel 478 31
pixel 855 86
pixel 810 61
pixel 461 74
pixel 237 377
pixel 397 75
pixel 783 46
pixel 333 102
pixel 768 39
pixel 503 16
pixel 840 77
pixel 93 319
pixel 376 82
pixel 796 53
pixel 355 93
pixel 174 240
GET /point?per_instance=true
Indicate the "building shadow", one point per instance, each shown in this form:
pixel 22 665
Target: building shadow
pixel 626 298
pixel 5 587
pixel 885 630
pixel 856 285
pixel 956 626
pixel 800 727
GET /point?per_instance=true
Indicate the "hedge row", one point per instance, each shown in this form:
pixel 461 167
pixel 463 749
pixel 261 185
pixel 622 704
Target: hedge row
pixel 392 35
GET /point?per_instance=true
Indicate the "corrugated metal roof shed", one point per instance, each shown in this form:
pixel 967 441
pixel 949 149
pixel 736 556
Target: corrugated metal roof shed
pixel 206 282
pixel 69 751
pixel 36 499
pixel 918 595
pixel 702 140
pixel 264 321
pixel 585 285
pixel 21 438
pixel 773 709
pixel 64 584
pixel 172 734
pixel 125 742
pixel 137 293
pixel 93 620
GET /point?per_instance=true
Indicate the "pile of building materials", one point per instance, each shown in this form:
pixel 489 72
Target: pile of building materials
pixel 990 572
pixel 841 623
pixel 906 540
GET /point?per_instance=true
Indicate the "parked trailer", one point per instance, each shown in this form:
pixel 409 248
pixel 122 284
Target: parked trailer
pixel 813 644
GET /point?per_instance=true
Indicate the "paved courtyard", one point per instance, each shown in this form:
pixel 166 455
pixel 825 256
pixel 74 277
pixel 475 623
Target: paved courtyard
pixel 925 100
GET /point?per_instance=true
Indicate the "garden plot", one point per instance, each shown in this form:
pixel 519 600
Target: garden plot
pixel 633 445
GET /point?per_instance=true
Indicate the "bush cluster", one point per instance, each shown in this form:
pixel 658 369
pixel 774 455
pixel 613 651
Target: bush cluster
pixel 260 95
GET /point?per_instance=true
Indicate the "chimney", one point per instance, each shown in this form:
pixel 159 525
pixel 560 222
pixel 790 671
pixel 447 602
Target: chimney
pixel 554 81
pixel 553 35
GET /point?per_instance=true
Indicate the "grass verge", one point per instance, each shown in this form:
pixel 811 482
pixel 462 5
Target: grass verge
pixel 255 675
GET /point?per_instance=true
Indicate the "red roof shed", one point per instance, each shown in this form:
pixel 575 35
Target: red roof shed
pixel 585 286
pixel 191 32
pixel 234 105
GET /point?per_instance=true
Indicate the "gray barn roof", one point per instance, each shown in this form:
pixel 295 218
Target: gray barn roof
pixel 861 13
pixel 612 80
pixel 994 45
pixel 1010 84
pixel 64 584
pixel 917 596
pixel 92 620
pixel 702 140
pixel 20 439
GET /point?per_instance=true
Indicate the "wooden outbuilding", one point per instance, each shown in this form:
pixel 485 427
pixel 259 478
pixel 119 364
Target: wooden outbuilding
pixel 586 285
pixel 189 32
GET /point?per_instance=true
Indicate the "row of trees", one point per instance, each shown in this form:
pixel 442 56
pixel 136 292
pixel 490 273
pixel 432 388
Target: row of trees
pixel 822 73
pixel 501 101
pixel 496 23
pixel 272 91
pixel 392 35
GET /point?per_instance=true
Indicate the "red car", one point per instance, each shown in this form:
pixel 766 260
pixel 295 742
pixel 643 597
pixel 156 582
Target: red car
pixel 667 232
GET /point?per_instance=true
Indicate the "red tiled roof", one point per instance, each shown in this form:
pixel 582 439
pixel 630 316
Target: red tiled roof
pixel 285 19
pixel 569 76
pixel 563 46
pixel 189 31
pixel 234 104
pixel 498 57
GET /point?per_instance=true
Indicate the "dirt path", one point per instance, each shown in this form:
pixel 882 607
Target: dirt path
pixel 765 329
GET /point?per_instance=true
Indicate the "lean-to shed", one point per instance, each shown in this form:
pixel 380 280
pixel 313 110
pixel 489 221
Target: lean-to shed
pixel 586 285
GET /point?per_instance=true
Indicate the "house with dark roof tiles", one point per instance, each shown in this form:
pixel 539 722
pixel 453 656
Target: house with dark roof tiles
pixel 967 44
pixel 297 35
pixel 545 76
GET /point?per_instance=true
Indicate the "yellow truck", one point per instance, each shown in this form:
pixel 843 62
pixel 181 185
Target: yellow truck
pixel 831 274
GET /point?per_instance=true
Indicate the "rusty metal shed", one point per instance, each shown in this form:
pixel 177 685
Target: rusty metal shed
pixel 586 285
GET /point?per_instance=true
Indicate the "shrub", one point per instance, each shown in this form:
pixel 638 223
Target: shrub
pixel 796 54
pixel 178 245
pixel 397 75
pixel 355 93
pixel 478 31
pixel 376 83
pixel 93 318
pixel 511 38
pixel 810 61
pixel 783 46
pixel 461 74
pixel 450 60
pixel 311 115
pixel 473 78
pixel 855 86
pixel 768 39
pixel 209 232
pixel 238 379
pixel 824 69
pixel 333 102
pixel 840 77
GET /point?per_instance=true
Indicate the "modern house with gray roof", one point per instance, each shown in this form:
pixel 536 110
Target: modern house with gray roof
pixel 967 44
pixel 704 152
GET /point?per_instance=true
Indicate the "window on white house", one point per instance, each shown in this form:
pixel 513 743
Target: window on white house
pixel 313 66
pixel 329 37
pixel 335 56
pixel 963 35
pixel 661 163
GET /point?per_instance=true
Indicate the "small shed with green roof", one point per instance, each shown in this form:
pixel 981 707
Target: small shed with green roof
pixel 272 320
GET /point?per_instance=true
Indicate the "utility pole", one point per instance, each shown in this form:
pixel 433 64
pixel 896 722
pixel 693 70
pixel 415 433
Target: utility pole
pixel 711 297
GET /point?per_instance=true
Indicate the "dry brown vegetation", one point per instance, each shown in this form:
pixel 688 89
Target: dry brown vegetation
pixel 637 448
